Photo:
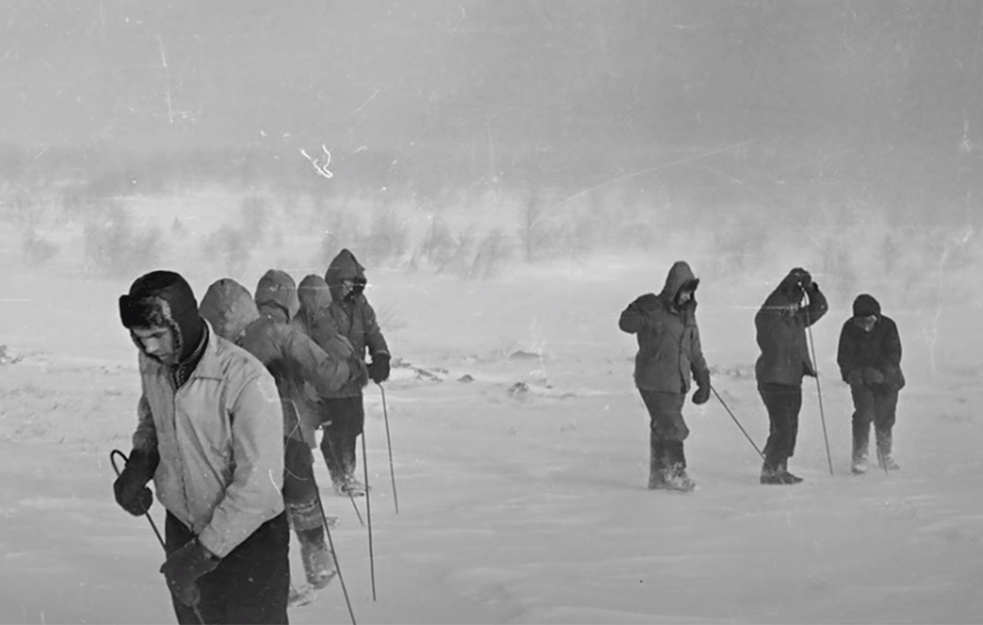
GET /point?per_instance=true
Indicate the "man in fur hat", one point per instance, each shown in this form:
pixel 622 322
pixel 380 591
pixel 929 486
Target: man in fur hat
pixel 210 435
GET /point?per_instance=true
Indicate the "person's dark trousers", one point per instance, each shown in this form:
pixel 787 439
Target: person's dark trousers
pixel 299 486
pixel 876 405
pixel 344 418
pixel 783 402
pixel 250 585
pixel 668 431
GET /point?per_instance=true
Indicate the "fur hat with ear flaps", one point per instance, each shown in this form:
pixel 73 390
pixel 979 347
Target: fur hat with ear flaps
pixel 164 299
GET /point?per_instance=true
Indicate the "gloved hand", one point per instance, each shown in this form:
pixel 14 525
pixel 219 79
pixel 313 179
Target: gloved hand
pixel 872 376
pixel 702 395
pixel 802 278
pixel 855 377
pixel 183 568
pixel 379 368
pixel 130 488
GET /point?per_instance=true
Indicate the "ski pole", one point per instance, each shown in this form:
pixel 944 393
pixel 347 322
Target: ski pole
pixel 392 472
pixel 334 554
pixel 112 461
pixel 819 391
pixel 749 439
pixel 368 511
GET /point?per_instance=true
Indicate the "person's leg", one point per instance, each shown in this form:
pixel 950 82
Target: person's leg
pixel 792 400
pixel 332 439
pixel 252 583
pixel 300 497
pixel 863 414
pixel 777 443
pixel 354 426
pixel 176 535
pixel 885 409
pixel 669 430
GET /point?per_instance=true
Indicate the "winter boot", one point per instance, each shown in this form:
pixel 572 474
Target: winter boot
pixel 859 464
pixel 775 475
pixel 884 459
pixel 678 480
pixel 787 478
pixel 352 487
pixel 300 595
pixel 319 564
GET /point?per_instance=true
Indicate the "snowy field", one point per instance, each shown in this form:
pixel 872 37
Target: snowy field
pixel 521 487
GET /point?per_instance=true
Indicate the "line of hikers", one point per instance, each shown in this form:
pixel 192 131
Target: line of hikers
pixel 670 356
pixel 233 391
pixel 226 433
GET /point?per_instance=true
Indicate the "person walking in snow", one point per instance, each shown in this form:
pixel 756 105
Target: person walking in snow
pixel 781 324
pixel 294 360
pixel 348 314
pixel 869 356
pixel 669 352
pixel 210 435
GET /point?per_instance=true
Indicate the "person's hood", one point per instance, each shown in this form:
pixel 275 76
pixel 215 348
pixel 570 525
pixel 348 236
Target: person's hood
pixel 164 299
pixel 314 295
pixel 277 291
pixel 680 276
pixel 229 307
pixel 344 266
pixel 865 305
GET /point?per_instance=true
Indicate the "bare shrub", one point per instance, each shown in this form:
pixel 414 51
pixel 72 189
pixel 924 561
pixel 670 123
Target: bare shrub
pixel 436 246
pixel 112 245
pixel 492 253
pixel 385 240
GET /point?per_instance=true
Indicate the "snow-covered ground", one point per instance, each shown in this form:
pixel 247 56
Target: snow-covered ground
pixel 523 503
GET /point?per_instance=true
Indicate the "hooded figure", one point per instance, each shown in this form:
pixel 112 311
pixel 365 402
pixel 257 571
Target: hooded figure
pixel 669 353
pixel 276 296
pixel 343 313
pixel 781 324
pixel 294 359
pixel 869 356
pixel 210 436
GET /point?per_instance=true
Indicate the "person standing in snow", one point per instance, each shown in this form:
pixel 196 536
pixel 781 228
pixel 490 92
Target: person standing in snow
pixel 293 359
pixel 349 314
pixel 210 436
pixel 669 352
pixel 869 356
pixel 781 324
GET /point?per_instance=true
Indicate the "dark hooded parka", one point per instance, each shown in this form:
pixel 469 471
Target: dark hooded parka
pixel 781 324
pixel 353 317
pixel 669 349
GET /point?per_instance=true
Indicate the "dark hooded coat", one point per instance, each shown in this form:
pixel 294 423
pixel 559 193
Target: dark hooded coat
pixel 289 354
pixel 353 318
pixel 669 349
pixel 878 349
pixel 781 332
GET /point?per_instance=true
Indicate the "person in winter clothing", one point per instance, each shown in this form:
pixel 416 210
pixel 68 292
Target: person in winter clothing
pixel 276 296
pixel 293 359
pixel 869 356
pixel 347 313
pixel 669 352
pixel 210 436
pixel 781 325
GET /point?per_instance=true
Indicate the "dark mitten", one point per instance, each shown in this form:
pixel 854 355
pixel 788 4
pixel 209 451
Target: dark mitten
pixel 183 568
pixel 873 377
pixel 855 377
pixel 379 368
pixel 130 488
pixel 702 394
